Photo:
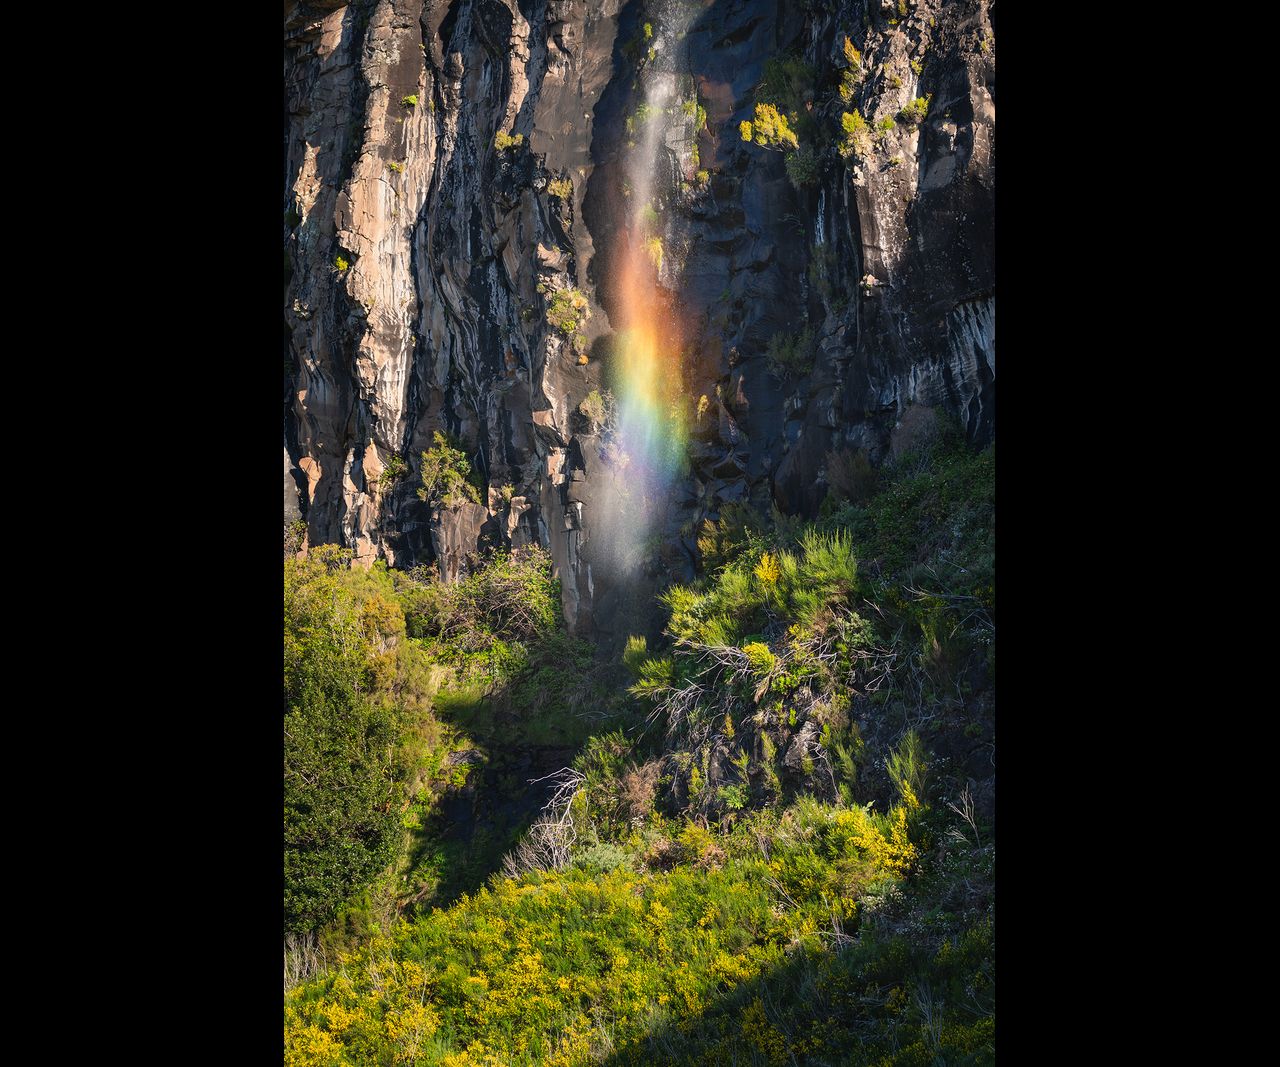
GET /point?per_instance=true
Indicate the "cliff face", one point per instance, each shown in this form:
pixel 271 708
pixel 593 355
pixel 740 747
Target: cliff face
pixel 421 260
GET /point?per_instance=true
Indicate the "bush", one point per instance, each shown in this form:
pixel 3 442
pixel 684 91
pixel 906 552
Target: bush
pixel 593 407
pixel 770 129
pixel 803 167
pixel 914 113
pixel 446 474
pixel 857 137
pixel 409 101
pixel 503 141
pixel 345 771
pixel 790 355
pixel 561 187
pixel 567 311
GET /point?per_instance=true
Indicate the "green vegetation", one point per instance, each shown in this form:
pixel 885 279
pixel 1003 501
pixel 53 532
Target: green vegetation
pixel 790 355
pixel 803 167
pixel 653 249
pixel 395 469
pixel 356 699
pixel 776 849
pixel 503 141
pixel 769 130
pixel 914 113
pixel 341 264
pixel 409 101
pixel 857 137
pixel 567 312
pixel 562 188
pixel 593 407
pixel 393 165
pixel 446 476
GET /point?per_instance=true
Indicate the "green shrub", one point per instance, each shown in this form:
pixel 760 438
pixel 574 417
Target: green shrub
pixel 446 474
pixel 593 407
pixel 409 101
pixel 770 129
pixel 395 469
pixel 562 188
pixel 567 311
pixel 790 355
pixel 857 138
pixel 914 113
pixel 803 167
pixel 503 141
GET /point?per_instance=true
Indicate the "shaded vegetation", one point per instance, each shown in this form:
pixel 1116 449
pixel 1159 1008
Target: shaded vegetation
pixel 777 848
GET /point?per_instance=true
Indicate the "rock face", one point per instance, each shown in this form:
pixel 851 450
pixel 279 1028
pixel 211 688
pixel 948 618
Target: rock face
pixel 422 258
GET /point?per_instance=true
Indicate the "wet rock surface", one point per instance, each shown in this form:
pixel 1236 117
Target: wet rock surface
pixel 421 259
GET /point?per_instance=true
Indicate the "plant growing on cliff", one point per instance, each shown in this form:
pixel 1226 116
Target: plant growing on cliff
pixel 769 129
pixel 852 73
pixel 409 101
pixel 568 311
pixel 803 167
pixel 561 187
pixel 857 137
pixel 503 141
pixel 790 355
pixel 914 113
pixel 653 247
pixel 593 407
pixel 395 469
pixel 340 264
pixel 446 474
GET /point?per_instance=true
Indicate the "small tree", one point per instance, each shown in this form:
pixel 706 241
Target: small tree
pixel 445 476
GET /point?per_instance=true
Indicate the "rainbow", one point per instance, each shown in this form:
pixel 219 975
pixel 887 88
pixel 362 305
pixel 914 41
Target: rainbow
pixel 652 424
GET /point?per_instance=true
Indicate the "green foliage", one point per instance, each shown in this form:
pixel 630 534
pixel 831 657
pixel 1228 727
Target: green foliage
pixel 636 653
pixel 770 129
pixel 593 407
pixel 562 188
pixel 409 101
pixel 803 167
pixel 395 469
pixel 653 249
pixel 341 264
pixel 857 137
pixel 394 166
pixel 504 141
pixel 907 768
pixel 446 474
pixel 790 355
pixel 567 310
pixel 345 766
pixel 788 81
pixel 914 113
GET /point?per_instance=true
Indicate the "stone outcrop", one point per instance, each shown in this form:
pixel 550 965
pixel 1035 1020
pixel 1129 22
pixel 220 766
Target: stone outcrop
pixel 421 258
